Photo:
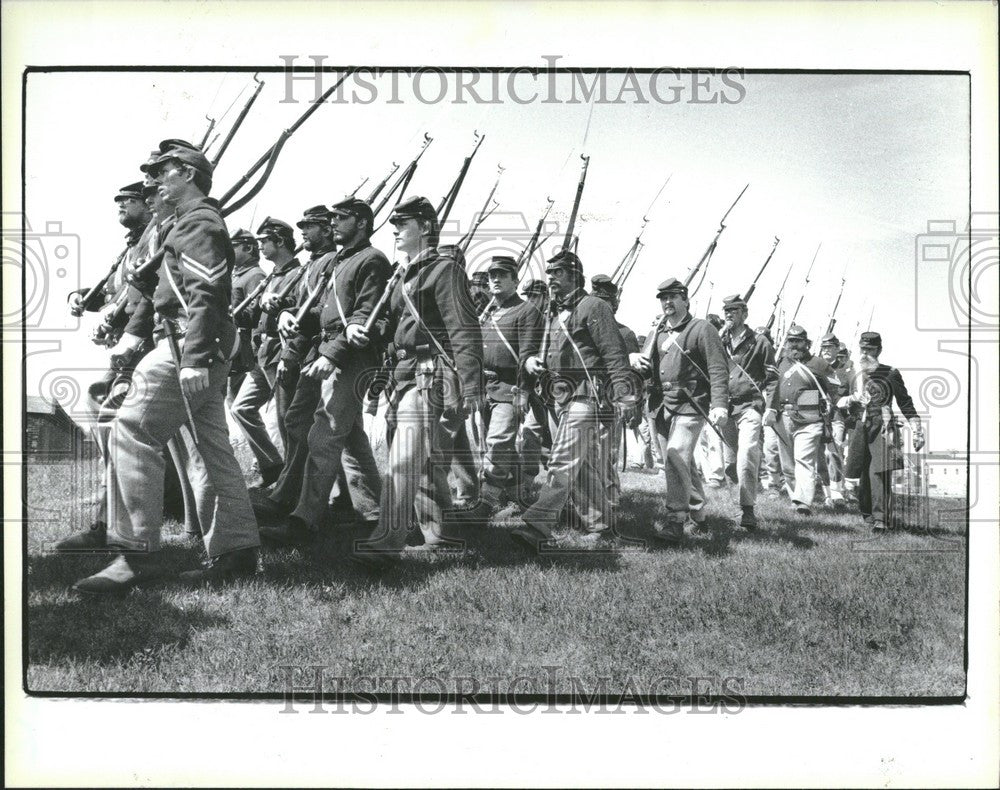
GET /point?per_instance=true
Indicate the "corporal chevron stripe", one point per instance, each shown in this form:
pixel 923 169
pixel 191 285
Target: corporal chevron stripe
pixel 209 273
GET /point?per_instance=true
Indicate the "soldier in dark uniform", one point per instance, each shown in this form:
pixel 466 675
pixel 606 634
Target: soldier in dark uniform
pixel 302 341
pixel 535 439
pixel 512 330
pixel 875 452
pixel 277 244
pixel 803 398
pixel 337 439
pixel 536 292
pixel 752 374
pixel 247 380
pixel 690 384
pixel 184 374
pixel 586 369
pixel 436 340
pixel 603 288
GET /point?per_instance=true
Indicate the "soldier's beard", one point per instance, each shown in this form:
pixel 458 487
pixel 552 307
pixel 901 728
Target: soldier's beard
pixel 867 363
pixel 797 354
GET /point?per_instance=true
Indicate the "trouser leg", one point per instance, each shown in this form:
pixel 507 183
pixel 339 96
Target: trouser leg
pixel 678 436
pixel 283 395
pixel 610 437
pixel 253 393
pixel 531 440
pixel 298 422
pixel 177 459
pixel 743 431
pixel 337 423
pixel 137 464
pixel 574 474
pixel 786 452
pixel 806 439
pixel 501 456
pixel 462 456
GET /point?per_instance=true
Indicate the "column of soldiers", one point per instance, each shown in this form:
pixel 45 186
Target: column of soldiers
pixel 479 379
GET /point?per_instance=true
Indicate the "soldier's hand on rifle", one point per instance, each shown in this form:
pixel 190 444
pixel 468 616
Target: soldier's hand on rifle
pixel 534 365
pixel 844 402
pixel 639 363
pixel 75 304
pixel 770 417
pixel 193 380
pixel 287 325
pixel 357 335
pixel 125 347
pixel 270 302
pixel 718 416
pixel 319 370
pixel 918 438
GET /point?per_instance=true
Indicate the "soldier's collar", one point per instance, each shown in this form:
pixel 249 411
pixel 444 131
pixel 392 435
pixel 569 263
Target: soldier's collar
pixel 511 300
pixel 315 254
pixel 193 203
pixel 347 252
pixel 681 326
pixel 571 299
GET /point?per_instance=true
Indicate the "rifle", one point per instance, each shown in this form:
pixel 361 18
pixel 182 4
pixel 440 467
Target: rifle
pixel 208 131
pixel 96 289
pixel 568 238
pixel 466 240
pixel 404 178
pixel 777 298
pixel 532 244
pixel 753 285
pixel 238 122
pixel 805 285
pixel 270 157
pixel 624 269
pixel 833 313
pixel 354 191
pixel 706 256
pixel 381 185
pixel 447 202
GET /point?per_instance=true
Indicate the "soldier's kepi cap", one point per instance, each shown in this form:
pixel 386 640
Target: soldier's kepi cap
pixel 129 192
pixel 414 208
pixel 353 207
pixel 243 236
pixel 601 284
pixel 843 349
pixel 533 287
pixel 183 152
pixel 316 215
pixel 565 259
pixel 796 332
pixel 503 263
pixel 870 340
pixel 829 340
pixel 271 228
pixel 671 286
pixel 733 302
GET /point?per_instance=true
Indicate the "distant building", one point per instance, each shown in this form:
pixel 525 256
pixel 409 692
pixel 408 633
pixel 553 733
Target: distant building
pixel 946 473
pixel 50 435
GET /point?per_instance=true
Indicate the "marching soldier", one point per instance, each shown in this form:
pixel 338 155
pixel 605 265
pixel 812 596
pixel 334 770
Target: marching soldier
pixel 585 366
pixel 802 398
pixel 247 381
pixel 875 453
pixel 832 453
pixel 184 376
pixel 751 376
pixel 277 245
pixel 603 288
pixel 773 477
pixel 337 439
pixel 512 329
pixel 300 351
pixel 436 340
pixel 690 387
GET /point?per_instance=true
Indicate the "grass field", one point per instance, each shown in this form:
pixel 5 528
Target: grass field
pixel 803 606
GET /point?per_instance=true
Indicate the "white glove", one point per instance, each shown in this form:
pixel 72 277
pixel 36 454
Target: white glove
pixel 718 417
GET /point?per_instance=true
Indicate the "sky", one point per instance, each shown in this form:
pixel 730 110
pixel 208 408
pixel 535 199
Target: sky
pixel 855 164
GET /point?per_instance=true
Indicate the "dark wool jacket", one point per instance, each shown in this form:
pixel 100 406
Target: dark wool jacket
pixel 301 349
pixel 592 326
pixel 521 325
pixel 752 373
pixel 360 275
pixel 198 258
pixel 688 363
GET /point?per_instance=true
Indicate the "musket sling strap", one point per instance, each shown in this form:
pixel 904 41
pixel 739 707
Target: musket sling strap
pixel 579 354
pixel 420 321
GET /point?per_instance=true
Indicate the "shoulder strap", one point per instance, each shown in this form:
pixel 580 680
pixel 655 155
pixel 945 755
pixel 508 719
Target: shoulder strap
pixel 579 354
pixel 420 321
